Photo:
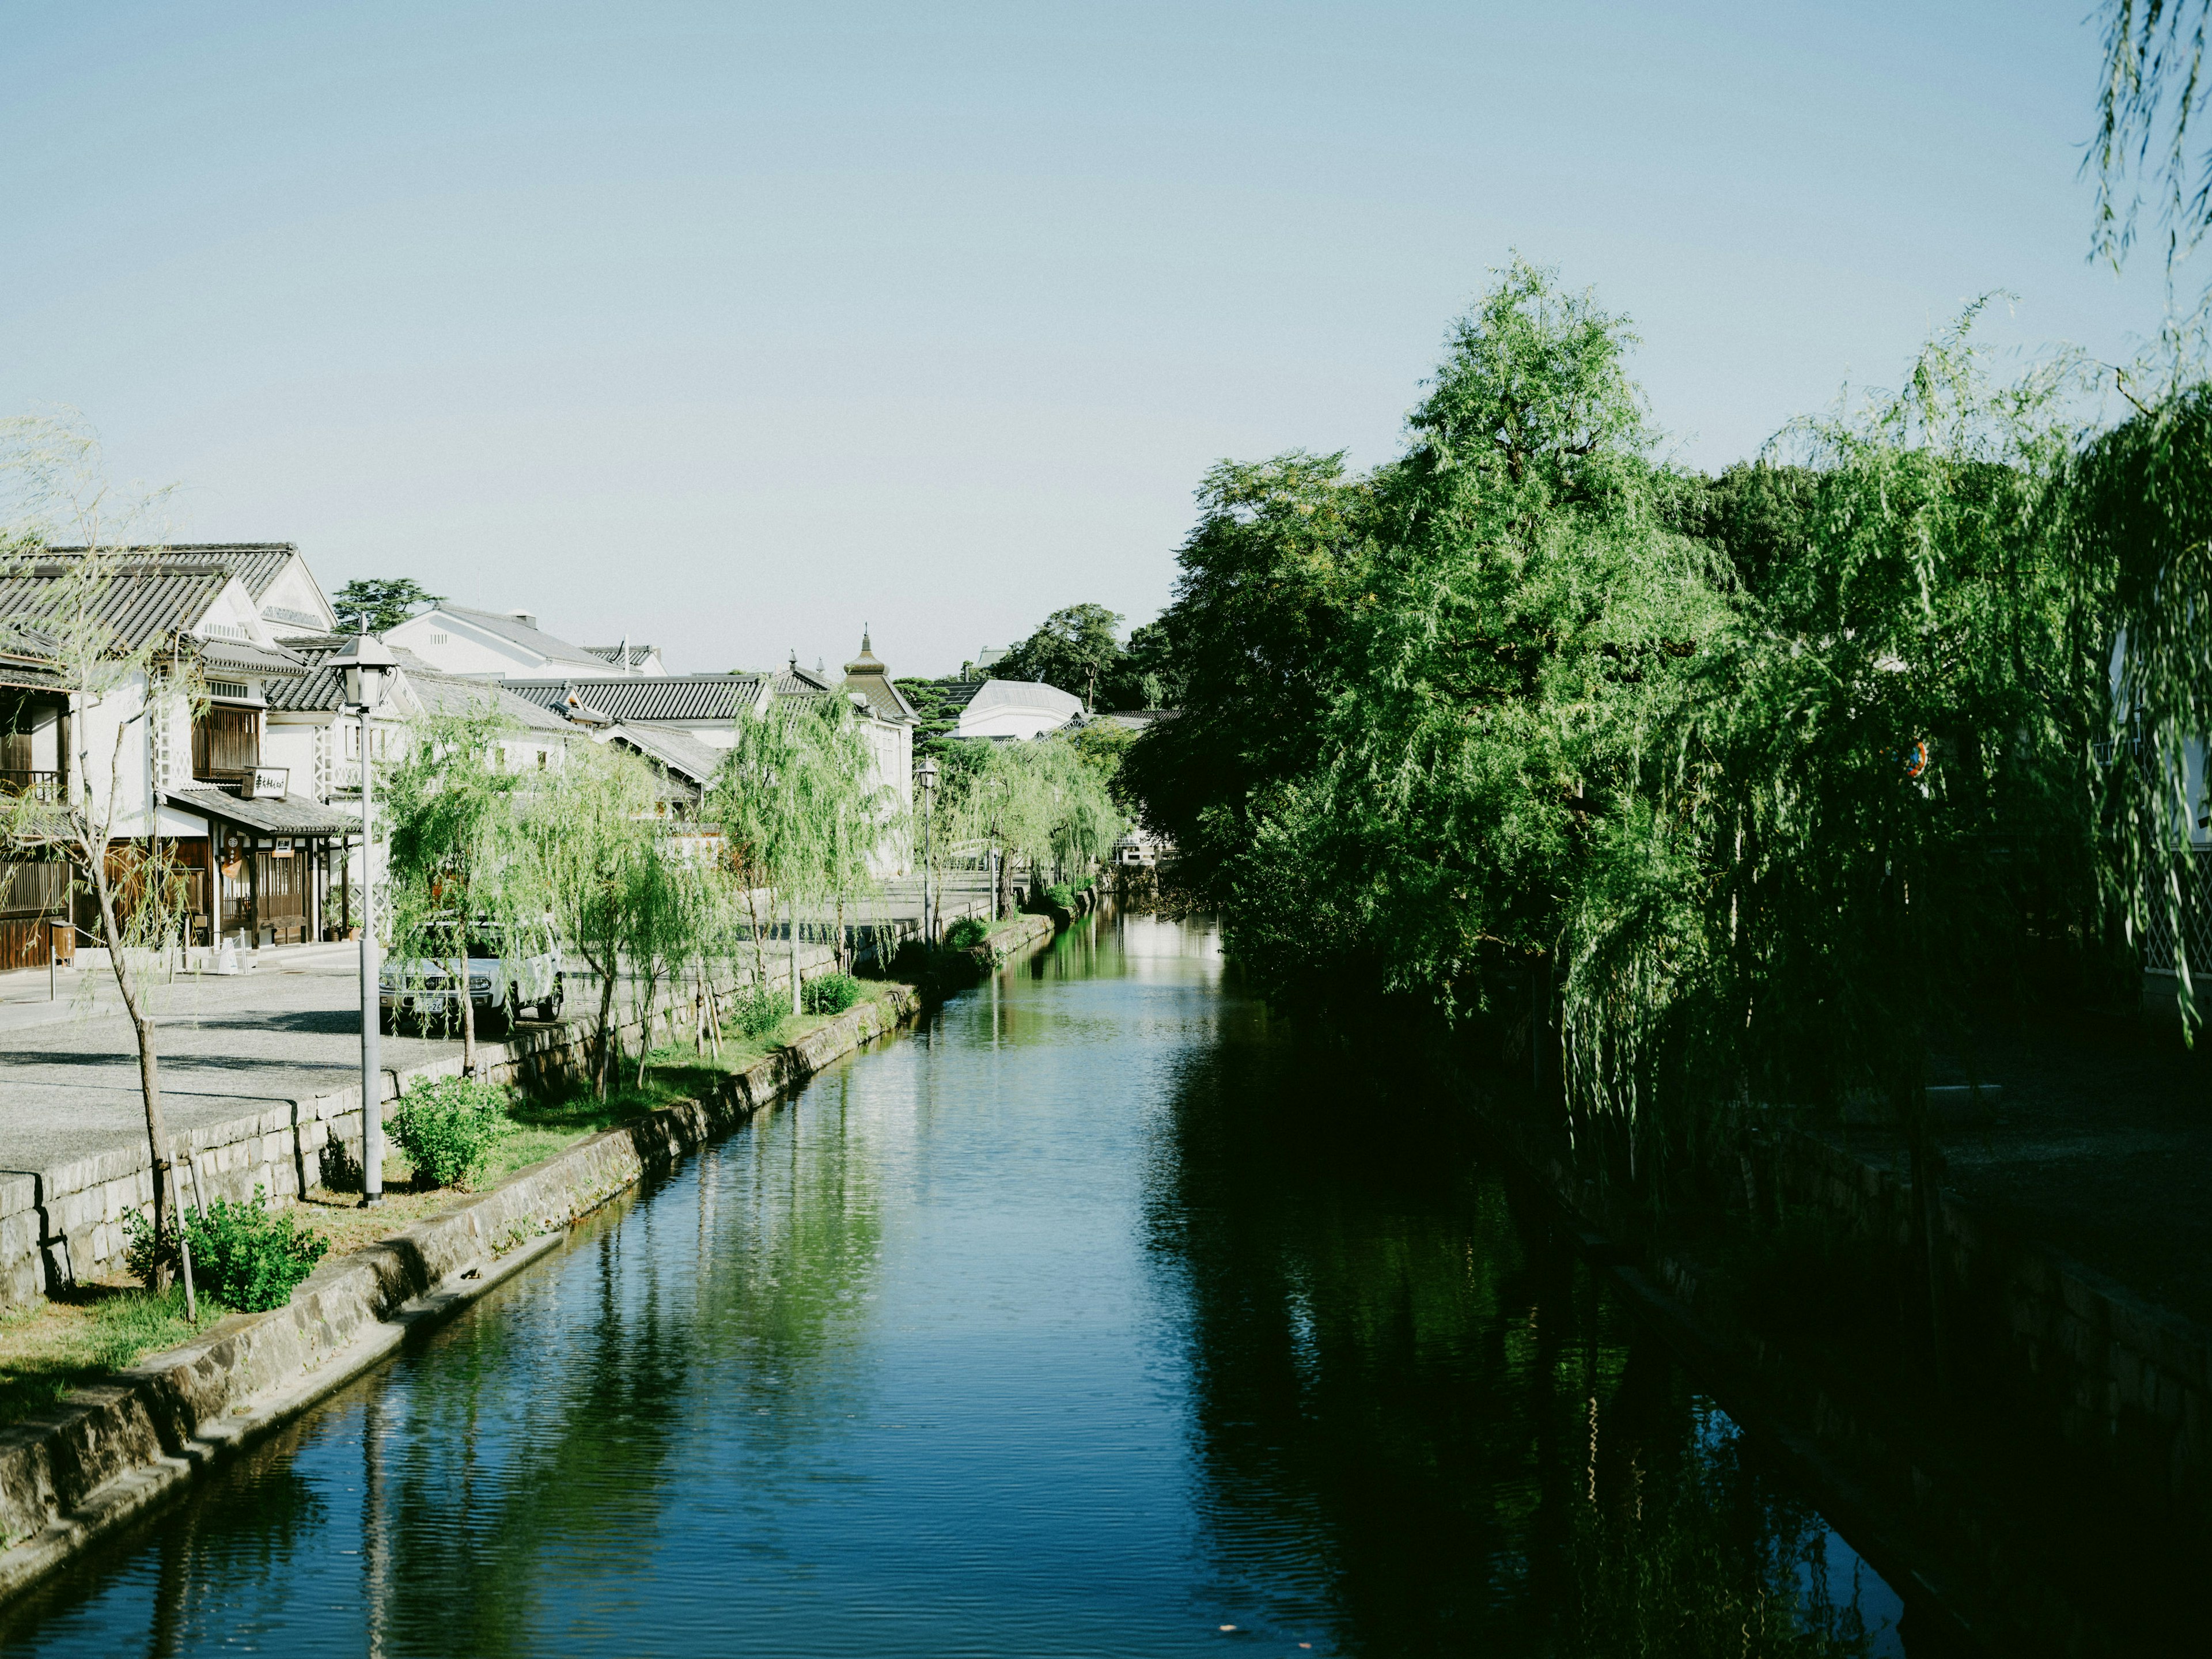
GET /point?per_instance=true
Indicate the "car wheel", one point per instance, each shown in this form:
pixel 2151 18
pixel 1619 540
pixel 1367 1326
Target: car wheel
pixel 549 1010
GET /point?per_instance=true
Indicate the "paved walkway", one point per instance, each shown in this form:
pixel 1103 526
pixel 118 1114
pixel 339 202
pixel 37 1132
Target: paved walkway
pixel 229 1047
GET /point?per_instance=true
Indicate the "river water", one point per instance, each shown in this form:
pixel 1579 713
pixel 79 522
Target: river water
pixel 1100 1316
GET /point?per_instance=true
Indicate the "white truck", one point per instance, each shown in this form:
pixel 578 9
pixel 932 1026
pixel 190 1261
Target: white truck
pixel 510 975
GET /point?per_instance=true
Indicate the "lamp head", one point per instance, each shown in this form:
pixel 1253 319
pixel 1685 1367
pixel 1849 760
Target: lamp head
pixel 368 664
pixel 926 775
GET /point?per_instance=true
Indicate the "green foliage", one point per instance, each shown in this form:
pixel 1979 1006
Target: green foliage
pixel 2151 85
pixel 830 994
pixel 967 933
pixel 2140 507
pixel 460 861
pixel 385 602
pixel 245 1256
pixel 759 1013
pixel 1059 896
pixel 1072 649
pixel 1526 722
pixel 449 1126
pixel 593 841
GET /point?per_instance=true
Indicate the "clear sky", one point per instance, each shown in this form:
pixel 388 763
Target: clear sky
pixel 733 328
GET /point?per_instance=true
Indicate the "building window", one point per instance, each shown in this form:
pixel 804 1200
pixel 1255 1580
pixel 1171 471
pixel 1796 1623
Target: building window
pixel 225 743
pixel 438 639
pixel 236 688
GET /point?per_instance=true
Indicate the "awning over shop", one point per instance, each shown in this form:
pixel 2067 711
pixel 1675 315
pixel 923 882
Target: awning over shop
pixel 281 815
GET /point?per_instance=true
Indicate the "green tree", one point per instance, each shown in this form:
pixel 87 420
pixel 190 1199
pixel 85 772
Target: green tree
pixel 460 867
pixel 1271 575
pixel 800 817
pixel 385 602
pixel 1149 673
pixel 52 471
pixel 590 832
pixel 1073 649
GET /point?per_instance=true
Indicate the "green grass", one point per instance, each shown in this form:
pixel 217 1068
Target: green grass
pixel 84 1335
pixel 674 1071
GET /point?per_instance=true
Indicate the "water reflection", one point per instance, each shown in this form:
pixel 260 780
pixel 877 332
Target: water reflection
pixel 1423 1427
pixel 1096 1317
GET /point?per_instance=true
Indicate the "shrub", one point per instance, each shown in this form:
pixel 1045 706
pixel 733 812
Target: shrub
pixel 1060 896
pixel 967 933
pixel 759 1011
pixel 449 1126
pixel 832 993
pixel 243 1254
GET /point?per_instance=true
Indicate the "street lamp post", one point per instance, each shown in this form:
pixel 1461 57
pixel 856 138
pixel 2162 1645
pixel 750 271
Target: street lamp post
pixel 925 775
pixel 367 663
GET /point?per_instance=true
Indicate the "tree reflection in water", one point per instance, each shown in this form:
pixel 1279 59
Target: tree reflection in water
pixel 1423 1426
pixel 1092 1318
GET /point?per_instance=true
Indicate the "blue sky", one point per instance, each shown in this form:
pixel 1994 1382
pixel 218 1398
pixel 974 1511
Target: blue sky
pixel 735 328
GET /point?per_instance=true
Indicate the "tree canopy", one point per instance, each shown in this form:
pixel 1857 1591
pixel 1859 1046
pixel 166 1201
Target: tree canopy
pixel 384 601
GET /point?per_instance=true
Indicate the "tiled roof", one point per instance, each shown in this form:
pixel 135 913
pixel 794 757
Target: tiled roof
pixel 516 631
pixel 955 694
pixel 141 600
pixel 680 752
pixel 631 697
pixel 613 653
pixel 799 682
pixel 252 659
pixel 449 694
pixel 287 815
pixel 255 564
pixel 322 691
pixel 885 699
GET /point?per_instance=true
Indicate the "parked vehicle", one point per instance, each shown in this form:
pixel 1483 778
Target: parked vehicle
pixel 506 974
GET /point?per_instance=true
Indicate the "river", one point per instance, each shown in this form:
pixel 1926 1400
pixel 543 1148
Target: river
pixel 1099 1315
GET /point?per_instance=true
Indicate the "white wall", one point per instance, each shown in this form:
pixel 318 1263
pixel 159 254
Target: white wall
pixel 453 646
pixel 295 589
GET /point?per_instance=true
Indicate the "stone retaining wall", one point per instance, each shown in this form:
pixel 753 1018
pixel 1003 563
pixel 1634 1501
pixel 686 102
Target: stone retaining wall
pixel 78 1472
pixel 65 1224
pixel 2126 1384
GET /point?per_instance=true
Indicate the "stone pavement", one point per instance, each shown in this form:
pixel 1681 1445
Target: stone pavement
pixel 230 1047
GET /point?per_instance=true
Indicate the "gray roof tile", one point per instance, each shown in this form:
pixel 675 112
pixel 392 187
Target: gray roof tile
pixel 631 697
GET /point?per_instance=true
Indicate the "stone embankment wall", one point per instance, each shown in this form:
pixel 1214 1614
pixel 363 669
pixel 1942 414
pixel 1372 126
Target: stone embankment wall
pixel 2102 1394
pixel 65 1224
pixel 2125 1384
pixel 76 1474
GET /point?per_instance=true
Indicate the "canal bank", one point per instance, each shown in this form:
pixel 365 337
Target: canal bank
pixel 2017 1501
pixel 1080 1321
pixel 71 1476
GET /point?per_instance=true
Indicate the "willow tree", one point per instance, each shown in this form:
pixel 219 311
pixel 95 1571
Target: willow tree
pixel 1869 816
pixel 52 483
pixel 801 815
pixel 460 854
pixel 1506 609
pixel 591 829
pixel 2141 514
pixel 1044 802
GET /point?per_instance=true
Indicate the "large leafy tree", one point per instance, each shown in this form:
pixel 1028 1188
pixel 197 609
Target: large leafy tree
pixel 1527 612
pixel 1075 649
pixel 384 601
pixel 1271 575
